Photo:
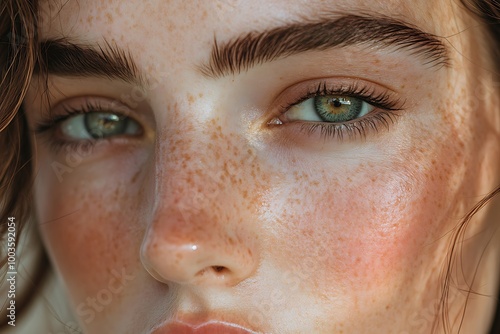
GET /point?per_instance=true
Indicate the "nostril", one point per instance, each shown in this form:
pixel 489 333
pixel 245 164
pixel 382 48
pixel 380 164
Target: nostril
pixel 219 269
pixel 213 270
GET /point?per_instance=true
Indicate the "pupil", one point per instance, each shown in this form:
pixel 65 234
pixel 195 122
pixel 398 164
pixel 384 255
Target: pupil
pixel 336 103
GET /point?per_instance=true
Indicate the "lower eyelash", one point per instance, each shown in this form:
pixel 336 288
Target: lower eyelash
pixel 354 129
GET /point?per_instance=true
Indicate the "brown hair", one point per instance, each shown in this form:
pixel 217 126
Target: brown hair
pixel 18 42
pixel 18 57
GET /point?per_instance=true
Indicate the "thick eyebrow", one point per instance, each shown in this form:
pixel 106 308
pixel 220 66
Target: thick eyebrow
pixel 67 59
pixel 244 52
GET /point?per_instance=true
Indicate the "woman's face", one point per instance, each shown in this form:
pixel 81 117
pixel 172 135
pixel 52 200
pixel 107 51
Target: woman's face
pixel 284 167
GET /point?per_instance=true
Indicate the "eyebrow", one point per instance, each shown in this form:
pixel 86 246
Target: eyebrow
pixel 64 58
pixel 254 48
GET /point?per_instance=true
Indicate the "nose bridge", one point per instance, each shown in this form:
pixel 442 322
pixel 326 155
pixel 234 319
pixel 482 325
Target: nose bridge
pixel 191 185
pixel 197 232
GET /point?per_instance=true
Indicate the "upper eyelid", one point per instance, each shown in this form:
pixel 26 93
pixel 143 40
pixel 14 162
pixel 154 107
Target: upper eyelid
pixel 101 103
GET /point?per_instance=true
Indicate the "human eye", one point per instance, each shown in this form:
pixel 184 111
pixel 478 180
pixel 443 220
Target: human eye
pixel 88 122
pixel 338 110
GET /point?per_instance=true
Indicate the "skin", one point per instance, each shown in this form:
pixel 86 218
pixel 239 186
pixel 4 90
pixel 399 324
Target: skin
pixel 314 235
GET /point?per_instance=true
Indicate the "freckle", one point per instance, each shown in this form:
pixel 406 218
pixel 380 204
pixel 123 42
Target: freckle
pixel 190 98
pixel 109 17
pixel 200 95
pixel 90 19
pixel 134 178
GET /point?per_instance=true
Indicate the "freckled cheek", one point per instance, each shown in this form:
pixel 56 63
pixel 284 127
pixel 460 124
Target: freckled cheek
pixel 88 226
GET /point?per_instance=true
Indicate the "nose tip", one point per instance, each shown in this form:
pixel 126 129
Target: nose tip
pixel 197 264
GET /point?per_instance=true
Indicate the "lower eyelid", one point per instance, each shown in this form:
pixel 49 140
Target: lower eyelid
pixel 370 124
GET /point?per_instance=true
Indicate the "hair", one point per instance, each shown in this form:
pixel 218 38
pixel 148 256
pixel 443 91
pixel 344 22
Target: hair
pixel 18 42
pixel 18 58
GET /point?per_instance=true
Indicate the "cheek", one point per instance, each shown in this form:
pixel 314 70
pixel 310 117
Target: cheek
pixel 380 225
pixel 85 221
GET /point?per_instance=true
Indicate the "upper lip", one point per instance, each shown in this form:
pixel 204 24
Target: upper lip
pixel 209 327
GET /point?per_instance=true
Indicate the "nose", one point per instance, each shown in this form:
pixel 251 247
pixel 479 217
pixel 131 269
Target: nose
pixel 199 231
pixel 176 252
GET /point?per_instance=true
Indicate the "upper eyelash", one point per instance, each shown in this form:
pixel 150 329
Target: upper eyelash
pixel 381 100
pixel 49 123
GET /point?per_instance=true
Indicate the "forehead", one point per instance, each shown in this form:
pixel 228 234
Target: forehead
pixel 185 26
pixel 175 37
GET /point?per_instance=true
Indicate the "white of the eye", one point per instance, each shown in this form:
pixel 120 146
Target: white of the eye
pixel 365 109
pixel 132 127
pixel 303 111
pixel 74 127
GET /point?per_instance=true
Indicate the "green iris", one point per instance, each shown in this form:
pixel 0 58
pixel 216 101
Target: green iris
pixel 102 125
pixel 338 109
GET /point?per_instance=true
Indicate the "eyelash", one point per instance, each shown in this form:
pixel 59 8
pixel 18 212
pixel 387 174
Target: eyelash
pixel 385 114
pixel 56 144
